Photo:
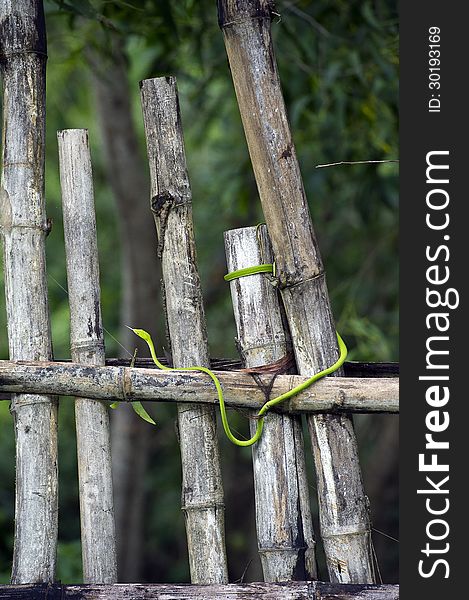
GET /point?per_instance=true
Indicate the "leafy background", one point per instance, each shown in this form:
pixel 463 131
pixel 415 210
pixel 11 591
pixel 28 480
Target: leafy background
pixel 338 62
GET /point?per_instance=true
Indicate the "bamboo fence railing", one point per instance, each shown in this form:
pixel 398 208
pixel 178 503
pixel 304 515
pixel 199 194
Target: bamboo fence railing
pixel 31 378
pixel 294 590
pixel 349 394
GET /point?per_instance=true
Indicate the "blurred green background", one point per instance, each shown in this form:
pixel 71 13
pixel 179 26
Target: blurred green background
pixel 338 62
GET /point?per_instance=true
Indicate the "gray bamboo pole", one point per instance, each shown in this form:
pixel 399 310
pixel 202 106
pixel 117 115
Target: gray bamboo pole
pixel 344 518
pixel 202 489
pixel 345 394
pixel 304 590
pixel 24 228
pixel 98 538
pixel 283 514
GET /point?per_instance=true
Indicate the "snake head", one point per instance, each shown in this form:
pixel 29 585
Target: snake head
pixel 141 333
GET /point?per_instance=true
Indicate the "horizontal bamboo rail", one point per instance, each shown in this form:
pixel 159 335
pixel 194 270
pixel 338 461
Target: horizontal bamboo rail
pixel 301 590
pixel 345 394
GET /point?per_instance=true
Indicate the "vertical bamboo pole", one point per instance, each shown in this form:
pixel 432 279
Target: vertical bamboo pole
pixel 23 225
pixel 344 518
pixel 202 489
pixel 87 348
pixel 283 514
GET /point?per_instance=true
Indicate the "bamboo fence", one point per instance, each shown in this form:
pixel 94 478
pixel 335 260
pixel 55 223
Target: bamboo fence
pixel 31 378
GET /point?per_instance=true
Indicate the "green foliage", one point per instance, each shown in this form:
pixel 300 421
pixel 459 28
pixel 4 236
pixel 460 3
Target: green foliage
pixel 69 561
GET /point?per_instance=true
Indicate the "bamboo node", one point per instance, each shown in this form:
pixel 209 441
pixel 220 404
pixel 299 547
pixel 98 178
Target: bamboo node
pixel 16 404
pixel 331 533
pixel 203 506
pixel 7 224
pixel 290 550
pixel 247 20
pixel 284 283
pixel 252 11
pixel 87 346
pixel 12 53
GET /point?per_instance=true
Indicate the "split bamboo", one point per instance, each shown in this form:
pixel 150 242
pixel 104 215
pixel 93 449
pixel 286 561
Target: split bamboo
pixel 202 488
pixel 98 538
pixel 336 395
pixel 283 513
pixel 344 518
pixel 24 228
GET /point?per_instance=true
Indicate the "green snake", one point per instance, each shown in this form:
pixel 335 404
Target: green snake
pixel 268 405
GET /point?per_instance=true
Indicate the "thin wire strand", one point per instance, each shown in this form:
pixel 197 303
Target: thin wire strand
pixel 241 579
pixel 385 535
pixel 104 328
pixel 355 162
pixel 376 560
pixel 306 17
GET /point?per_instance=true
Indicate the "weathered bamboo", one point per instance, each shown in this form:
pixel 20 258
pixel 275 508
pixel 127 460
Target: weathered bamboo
pixel 304 590
pixel 344 518
pixel 283 513
pixel 202 489
pixel 98 538
pixel 24 228
pixel 343 394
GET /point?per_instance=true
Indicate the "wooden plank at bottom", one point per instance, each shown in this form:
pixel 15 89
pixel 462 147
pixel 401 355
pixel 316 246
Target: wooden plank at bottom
pixel 297 590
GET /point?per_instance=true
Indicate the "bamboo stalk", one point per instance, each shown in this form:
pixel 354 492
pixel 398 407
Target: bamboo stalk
pixel 98 537
pixel 304 590
pixel 336 395
pixel 344 519
pixel 202 488
pixel 283 514
pixel 23 226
